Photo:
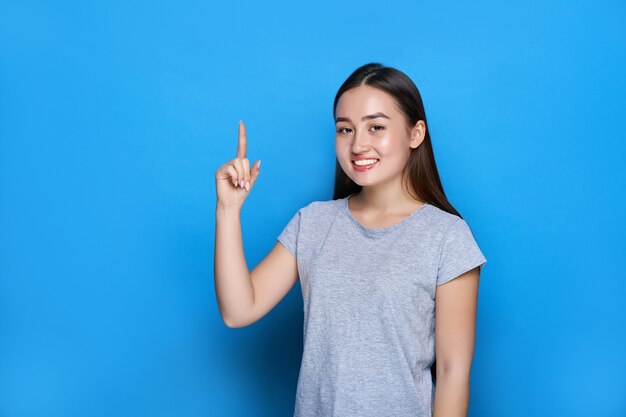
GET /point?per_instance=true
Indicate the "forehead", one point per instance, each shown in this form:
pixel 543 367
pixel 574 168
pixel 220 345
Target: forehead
pixel 364 100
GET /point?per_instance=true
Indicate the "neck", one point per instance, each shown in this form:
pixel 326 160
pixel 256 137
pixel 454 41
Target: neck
pixel 383 198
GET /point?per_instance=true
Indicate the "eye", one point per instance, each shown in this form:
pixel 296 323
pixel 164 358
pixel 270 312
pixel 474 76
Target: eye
pixel 378 128
pixel 342 129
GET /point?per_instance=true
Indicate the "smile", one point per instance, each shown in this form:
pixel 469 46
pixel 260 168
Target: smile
pixel 365 164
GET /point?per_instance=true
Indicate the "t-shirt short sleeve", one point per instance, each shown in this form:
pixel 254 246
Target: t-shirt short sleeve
pixel 289 236
pixel 459 252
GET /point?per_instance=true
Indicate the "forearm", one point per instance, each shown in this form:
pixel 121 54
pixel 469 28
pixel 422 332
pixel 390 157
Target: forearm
pixel 235 293
pixel 452 394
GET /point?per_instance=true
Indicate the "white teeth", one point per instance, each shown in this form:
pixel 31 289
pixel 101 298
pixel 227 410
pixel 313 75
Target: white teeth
pixel 366 162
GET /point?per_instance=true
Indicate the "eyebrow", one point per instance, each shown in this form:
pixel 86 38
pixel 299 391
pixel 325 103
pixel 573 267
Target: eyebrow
pixel 369 116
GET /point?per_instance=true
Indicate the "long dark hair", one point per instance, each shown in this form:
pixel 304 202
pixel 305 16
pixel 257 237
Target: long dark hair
pixel 420 171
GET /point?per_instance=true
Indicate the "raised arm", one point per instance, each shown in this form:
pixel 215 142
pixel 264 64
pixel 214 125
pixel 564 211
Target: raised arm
pixel 244 297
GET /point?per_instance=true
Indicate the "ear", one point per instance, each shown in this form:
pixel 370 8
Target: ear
pixel 418 133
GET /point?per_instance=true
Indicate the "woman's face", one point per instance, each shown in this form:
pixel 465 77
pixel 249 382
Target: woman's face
pixel 369 125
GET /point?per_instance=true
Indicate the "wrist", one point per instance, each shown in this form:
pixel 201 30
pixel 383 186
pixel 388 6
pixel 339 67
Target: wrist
pixel 227 208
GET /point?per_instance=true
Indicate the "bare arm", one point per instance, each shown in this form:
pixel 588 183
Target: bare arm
pixel 244 297
pixel 235 293
pixel 455 330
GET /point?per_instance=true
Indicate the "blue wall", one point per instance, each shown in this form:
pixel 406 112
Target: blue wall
pixel 115 117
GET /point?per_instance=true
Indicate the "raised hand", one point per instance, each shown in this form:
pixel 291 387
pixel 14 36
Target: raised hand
pixel 234 180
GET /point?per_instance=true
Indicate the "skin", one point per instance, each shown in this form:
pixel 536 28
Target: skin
pixel 246 296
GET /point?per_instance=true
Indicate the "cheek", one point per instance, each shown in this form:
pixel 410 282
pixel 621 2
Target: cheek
pixel 341 147
pixel 388 146
pixel 392 152
pixel 340 152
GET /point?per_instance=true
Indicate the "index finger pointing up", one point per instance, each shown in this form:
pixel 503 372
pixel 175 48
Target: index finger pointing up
pixel 241 148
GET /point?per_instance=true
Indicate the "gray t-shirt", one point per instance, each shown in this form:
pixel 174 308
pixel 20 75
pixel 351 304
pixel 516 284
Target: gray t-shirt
pixel 369 299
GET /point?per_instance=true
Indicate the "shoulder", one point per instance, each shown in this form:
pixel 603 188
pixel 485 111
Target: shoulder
pixel 320 208
pixel 439 219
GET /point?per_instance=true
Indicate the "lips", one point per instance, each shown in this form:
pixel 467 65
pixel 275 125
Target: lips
pixel 360 158
pixel 362 168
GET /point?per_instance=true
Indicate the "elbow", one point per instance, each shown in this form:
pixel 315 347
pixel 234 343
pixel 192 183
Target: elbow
pixel 230 323
pixel 456 370
pixel 238 319
pixel 234 324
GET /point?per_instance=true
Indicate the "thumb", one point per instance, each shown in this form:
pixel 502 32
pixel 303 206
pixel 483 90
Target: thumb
pixel 256 168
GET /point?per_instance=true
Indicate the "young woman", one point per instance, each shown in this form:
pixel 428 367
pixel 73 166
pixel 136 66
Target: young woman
pixel 375 264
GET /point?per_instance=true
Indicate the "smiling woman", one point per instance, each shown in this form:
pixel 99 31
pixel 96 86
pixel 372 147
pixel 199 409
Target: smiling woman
pixel 373 87
pixel 375 263
pixel 379 136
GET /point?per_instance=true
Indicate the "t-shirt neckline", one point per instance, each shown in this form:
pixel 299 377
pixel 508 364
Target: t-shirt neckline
pixel 379 230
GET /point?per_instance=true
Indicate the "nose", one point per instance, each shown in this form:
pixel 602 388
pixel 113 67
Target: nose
pixel 360 142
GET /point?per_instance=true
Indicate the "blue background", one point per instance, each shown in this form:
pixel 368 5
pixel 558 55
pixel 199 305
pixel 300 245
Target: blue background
pixel 114 118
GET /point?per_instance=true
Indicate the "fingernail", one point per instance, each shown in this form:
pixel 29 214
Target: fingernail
pixel 247 186
pixel 259 164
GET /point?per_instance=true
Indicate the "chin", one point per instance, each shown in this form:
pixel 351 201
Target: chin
pixel 361 183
